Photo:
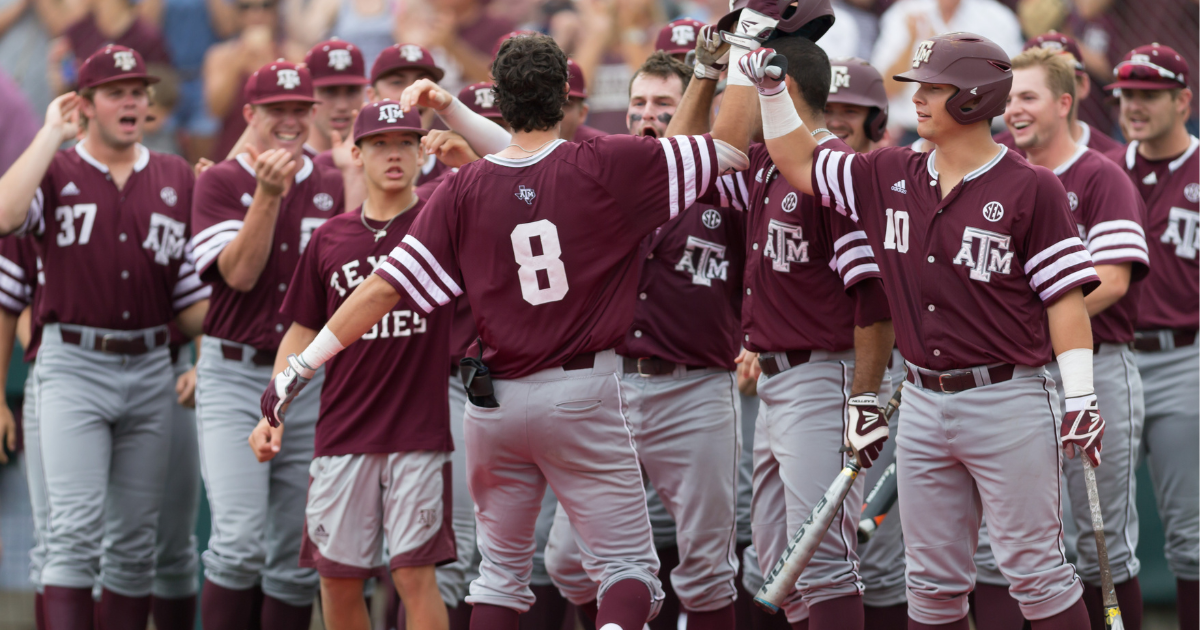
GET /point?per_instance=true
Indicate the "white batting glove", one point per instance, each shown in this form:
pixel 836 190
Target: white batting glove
pixel 284 388
pixel 712 54
pixel 1082 428
pixel 866 428
pixel 765 68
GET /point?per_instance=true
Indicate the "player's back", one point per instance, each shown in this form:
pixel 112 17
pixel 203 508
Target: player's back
pixel 545 246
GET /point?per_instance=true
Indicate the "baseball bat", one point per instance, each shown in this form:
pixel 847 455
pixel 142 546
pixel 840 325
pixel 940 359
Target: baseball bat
pixel 782 578
pixel 882 496
pixel 1112 612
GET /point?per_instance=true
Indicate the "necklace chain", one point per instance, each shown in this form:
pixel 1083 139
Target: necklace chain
pixel 382 232
pixel 534 150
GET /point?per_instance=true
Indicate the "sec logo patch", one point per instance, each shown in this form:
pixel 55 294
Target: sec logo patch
pixel 789 202
pixel 168 196
pixel 1073 201
pixel 1192 192
pixel 711 219
pixel 993 211
pixel 323 201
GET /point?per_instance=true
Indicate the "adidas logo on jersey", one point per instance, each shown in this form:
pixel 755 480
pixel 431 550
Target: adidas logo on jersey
pixel 899 187
pixel 69 189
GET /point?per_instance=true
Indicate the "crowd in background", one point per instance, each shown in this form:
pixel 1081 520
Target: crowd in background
pixel 206 48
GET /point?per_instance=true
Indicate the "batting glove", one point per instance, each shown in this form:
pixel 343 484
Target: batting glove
pixel 284 388
pixel 712 54
pixel 866 428
pixel 765 68
pixel 753 28
pixel 1082 428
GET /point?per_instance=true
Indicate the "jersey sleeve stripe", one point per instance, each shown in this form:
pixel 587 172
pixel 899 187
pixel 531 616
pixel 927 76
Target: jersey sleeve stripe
pixel 850 204
pixel 397 279
pixel 421 276
pixel 672 176
pixel 182 302
pixel 13 287
pixel 11 305
pixel 853 254
pixel 1041 256
pixel 433 264
pixel 831 174
pixel 1113 256
pixel 846 240
pixel 207 255
pixel 852 276
pixel 35 216
pixel 819 172
pixel 11 268
pixel 1059 265
pixel 704 145
pixel 1113 226
pixel 1116 238
pixel 689 170
pixel 1071 281
pixel 232 225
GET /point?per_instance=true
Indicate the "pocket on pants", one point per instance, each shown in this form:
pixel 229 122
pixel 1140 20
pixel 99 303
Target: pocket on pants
pixel 579 406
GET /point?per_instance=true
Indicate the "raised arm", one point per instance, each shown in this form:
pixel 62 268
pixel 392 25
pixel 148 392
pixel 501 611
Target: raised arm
pixel 484 136
pixel 242 261
pixel 19 185
pixel 712 57
pixel 788 140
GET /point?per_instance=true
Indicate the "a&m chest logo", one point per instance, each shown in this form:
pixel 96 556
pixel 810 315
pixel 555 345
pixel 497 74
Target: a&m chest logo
pixel 411 53
pixel 339 59
pixel 785 245
pixel 921 55
pixel 985 253
pixel 683 34
pixel 1182 233
pixel 525 194
pixel 287 78
pixel 390 113
pixel 165 238
pixel 124 60
pixel 840 78
pixel 704 260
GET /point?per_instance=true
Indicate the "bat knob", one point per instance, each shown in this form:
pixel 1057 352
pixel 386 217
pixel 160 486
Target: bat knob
pixel 766 605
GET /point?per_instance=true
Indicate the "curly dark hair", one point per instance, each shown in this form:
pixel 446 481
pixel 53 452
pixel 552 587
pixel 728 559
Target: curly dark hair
pixel 530 82
pixel 663 66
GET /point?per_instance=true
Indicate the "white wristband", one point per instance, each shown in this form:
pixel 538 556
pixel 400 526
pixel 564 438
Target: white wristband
pixel 779 117
pixel 484 136
pixel 321 349
pixel 736 76
pixel 1076 369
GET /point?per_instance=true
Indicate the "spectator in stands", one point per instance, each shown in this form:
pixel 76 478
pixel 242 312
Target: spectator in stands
pixel 459 33
pixel 86 26
pixel 908 22
pixel 159 132
pixel 227 65
pixel 24 50
pixel 365 23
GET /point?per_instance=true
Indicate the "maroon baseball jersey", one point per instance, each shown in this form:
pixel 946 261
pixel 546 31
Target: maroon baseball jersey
pixel 583 133
pixel 20 283
pixel 100 245
pixel 968 277
pixel 324 158
pixel 1109 215
pixel 85 38
pixel 1090 138
pixel 223 194
pixel 689 290
pixel 546 246
pixel 1171 293
pixel 796 250
pixel 373 401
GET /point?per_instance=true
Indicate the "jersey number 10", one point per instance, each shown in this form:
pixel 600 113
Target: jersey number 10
pixel 547 262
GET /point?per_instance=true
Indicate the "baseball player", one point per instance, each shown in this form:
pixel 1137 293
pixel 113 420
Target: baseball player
pixel 816 356
pixel 1162 161
pixel 253 217
pixel 382 462
pixel 1109 214
pixel 676 366
pixel 103 374
pixel 339 81
pixel 1081 132
pixel 986 275
pixel 551 295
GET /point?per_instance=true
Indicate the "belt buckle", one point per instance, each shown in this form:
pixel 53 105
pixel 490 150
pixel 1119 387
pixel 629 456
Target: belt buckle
pixel 951 374
pixel 104 342
pixel 639 367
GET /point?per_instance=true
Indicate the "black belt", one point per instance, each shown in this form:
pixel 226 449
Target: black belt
pixel 652 366
pixel 1150 341
pixel 116 345
pixel 959 380
pixel 261 358
pixel 583 361
pixel 771 362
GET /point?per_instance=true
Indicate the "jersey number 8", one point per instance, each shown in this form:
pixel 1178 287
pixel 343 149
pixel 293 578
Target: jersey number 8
pixel 547 262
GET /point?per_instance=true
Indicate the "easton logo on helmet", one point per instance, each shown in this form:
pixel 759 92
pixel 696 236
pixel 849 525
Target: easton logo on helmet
pixel 840 78
pixel 339 59
pixel 411 53
pixel 924 50
pixel 124 60
pixel 288 78
pixel 390 112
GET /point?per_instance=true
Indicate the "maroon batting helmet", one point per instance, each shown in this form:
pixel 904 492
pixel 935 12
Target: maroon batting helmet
pixel 974 64
pixel 855 82
pixel 809 18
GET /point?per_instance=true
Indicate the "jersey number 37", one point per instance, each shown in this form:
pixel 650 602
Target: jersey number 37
pixel 543 275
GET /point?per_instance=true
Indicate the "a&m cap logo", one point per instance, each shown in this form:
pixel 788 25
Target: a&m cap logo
pixel 993 211
pixel 124 60
pixel 485 98
pixel 525 194
pixel 288 78
pixel 1053 45
pixel 924 50
pixel 683 34
pixel 839 79
pixel 390 113
pixel 339 59
pixel 411 53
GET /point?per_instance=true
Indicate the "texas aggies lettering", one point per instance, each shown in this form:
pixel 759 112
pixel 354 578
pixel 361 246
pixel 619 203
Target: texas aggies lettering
pixel 223 193
pixel 357 415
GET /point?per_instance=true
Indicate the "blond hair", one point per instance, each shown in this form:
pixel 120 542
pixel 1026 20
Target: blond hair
pixel 1060 70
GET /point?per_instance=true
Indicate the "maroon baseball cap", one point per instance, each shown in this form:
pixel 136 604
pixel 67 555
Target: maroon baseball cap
pixel 1061 43
pixel 575 80
pixel 335 62
pixel 404 57
pixel 384 116
pixel 1152 67
pixel 479 98
pixel 678 37
pixel 113 63
pixel 279 82
pixel 507 36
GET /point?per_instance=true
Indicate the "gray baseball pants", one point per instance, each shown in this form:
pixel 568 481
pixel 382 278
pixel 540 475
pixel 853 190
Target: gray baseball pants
pixel 797 442
pixel 686 429
pixel 102 430
pixel 989 450
pixel 257 509
pixel 176 558
pixel 882 558
pixel 1171 379
pixel 453 578
pixel 35 476
pixel 566 429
